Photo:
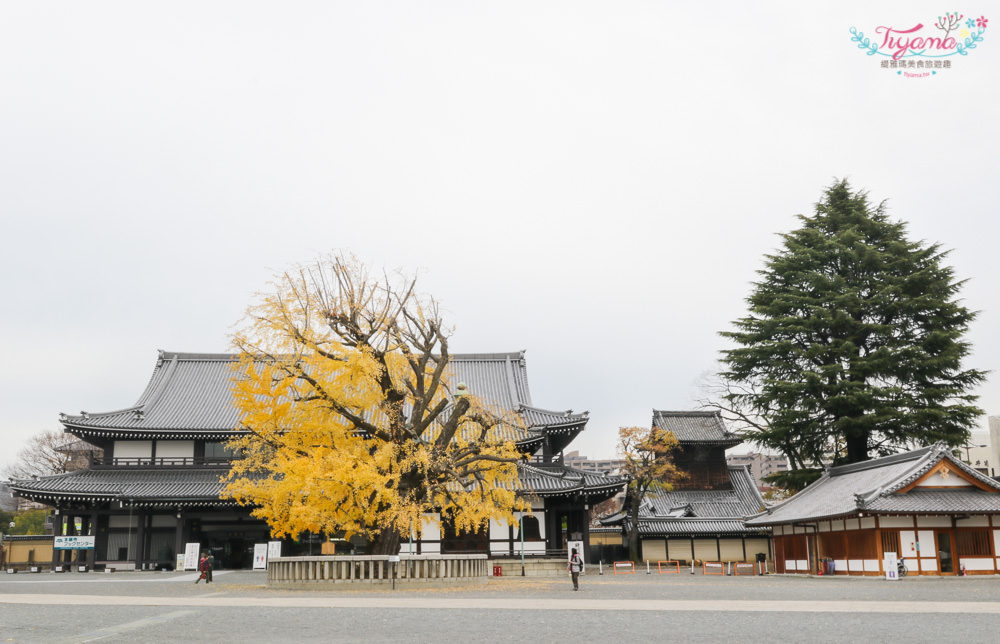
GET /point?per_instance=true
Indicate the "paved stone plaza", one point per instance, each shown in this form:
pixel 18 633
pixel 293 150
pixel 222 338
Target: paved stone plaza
pixel 164 607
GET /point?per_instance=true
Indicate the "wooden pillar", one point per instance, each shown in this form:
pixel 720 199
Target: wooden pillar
pixel 138 553
pixel 57 531
pixel 92 553
pixel 179 534
pixel 878 545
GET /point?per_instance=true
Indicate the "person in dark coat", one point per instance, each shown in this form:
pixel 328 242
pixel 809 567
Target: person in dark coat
pixel 209 567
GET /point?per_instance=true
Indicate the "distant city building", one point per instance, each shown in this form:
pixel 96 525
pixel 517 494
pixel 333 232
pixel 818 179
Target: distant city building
pixel 7 501
pixel 761 465
pixel 978 450
pixel 574 460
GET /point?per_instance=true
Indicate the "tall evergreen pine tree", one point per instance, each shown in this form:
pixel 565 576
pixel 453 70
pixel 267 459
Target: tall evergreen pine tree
pixel 854 340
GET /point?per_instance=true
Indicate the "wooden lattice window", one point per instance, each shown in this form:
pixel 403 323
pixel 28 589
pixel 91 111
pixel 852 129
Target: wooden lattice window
pixel 890 541
pixel 973 543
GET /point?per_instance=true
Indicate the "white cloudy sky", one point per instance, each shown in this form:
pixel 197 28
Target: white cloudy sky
pixel 594 182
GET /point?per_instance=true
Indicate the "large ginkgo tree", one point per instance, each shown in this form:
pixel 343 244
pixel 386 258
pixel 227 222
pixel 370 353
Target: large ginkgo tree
pixel 351 422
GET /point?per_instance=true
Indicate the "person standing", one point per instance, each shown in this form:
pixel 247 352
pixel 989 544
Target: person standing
pixel 575 568
pixel 209 567
pixel 202 568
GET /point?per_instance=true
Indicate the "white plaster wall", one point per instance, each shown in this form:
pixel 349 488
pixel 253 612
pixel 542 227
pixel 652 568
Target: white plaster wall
pixel 855 565
pixel 896 522
pixel 867 523
pixel 732 550
pixel 871 565
pixel 706 550
pixel 133 449
pixel 851 524
pixel 824 526
pixel 431 529
pixel 499 530
pixel 173 449
pixel 679 549
pixel 837 525
pixel 933 522
pixel 790 565
pixel 840 564
pixel 996 541
pixel 430 548
pixel 755 545
pixel 973 522
pixel 654 550
pixel 803 565
pixel 927 547
pixel 929 565
pixel 908 543
pixel 977 564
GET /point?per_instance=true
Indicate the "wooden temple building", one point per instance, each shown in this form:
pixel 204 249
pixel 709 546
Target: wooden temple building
pixel 157 485
pixel 703 518
pixel 927 506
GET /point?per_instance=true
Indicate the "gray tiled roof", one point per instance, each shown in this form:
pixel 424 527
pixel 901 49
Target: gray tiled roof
pixel 742 501
pixel 694 512
pixel 564 481
pixel 695 527
pixel 146 485
pixel 189 394
pixel 164 485
pixel 872 486
pixel 695 427
pixel 950 501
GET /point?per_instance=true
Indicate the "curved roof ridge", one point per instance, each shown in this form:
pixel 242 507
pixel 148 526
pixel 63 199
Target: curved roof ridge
pixel 188 355
pixel 873 463
pixel 508 355
pixel 568 413
pixel 662 412
pixel 228 356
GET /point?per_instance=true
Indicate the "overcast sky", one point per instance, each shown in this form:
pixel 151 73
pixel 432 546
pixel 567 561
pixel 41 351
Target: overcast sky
pixel 593 182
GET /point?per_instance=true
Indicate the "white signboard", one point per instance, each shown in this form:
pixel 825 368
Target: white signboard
pixel 273 549
pixel 260 556
pixel 579 550
pixel 74 543
pixel 890 564
pixel 191 552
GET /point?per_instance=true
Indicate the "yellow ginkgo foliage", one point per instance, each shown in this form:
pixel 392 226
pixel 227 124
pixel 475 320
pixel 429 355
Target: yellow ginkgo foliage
pixel 349 420
pixel 648 461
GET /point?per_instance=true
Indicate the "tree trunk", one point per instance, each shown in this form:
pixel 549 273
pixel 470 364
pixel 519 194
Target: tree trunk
pixel 386 543
pixel 857 447
pixel 633 533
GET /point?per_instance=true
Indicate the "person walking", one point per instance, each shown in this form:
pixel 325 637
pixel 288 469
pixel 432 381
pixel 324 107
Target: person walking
pixel 575 568
pixel 202 568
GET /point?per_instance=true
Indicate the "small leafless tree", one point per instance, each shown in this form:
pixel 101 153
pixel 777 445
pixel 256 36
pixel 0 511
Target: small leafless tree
pixel 48 452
